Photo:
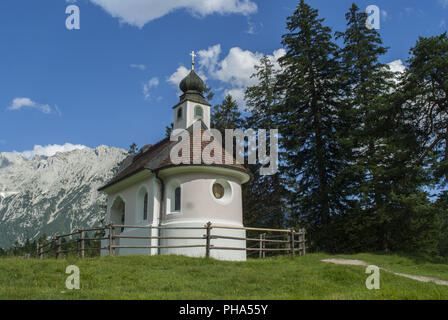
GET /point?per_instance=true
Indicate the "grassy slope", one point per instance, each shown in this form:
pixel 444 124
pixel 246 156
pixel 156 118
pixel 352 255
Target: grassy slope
pixel 404 264
pixel 170 277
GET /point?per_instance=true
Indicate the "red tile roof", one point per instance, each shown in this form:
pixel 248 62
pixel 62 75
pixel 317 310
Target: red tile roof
pixel 157 157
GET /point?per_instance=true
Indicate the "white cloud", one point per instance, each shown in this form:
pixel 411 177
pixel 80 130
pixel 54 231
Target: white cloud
pixel 49 150
pixel 20 103
pixel 141 67
pixel 238 66
pixel 178 75
pixel 238 95
pixel 140 12
pixel 397 66
pixel 234 70
pixel 208 59
pixel 181 73
pixel 154 82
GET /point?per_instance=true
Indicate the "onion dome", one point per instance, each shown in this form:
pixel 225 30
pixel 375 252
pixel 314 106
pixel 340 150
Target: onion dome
pixel 192 82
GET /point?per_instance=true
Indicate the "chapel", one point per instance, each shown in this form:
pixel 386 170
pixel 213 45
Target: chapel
pixel 150 190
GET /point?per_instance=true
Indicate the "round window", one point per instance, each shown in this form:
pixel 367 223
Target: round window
pixel 218 190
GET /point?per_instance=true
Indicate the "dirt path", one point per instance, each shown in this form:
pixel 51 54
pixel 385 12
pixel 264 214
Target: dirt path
pixel 410 276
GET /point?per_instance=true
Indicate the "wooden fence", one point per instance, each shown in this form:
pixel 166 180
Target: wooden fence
pixel 261 241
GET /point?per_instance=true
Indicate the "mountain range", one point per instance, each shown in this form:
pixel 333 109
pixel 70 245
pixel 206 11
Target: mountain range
pixel 53 194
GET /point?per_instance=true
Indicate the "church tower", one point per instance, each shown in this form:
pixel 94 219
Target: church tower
pixel 192 105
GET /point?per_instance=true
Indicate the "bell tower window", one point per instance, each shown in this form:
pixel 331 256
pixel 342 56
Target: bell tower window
pixel 198 112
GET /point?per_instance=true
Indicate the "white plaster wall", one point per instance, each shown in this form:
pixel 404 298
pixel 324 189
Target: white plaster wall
pixel 198 202
pixel 188 115
pixel 198 206
pixel 232 255
pixel 129 196
pixel 132 217
pixel 182 123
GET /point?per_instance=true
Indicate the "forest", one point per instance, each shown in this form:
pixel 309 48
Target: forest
pixel 363 150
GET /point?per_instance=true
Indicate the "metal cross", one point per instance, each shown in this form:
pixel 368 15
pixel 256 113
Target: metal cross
pixel 193 55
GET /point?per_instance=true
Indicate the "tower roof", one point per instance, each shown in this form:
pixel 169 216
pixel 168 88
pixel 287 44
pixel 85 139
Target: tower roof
pixel 193 88
pixel 192 83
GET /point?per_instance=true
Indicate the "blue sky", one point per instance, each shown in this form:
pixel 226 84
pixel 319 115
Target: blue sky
pixel 113 82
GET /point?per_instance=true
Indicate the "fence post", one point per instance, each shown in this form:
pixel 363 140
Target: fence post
pixel 261 246
pixel 111 240
pixel 54 245
pixel 58 247
pixel 81 234
pixel 304 241
pixel 263 252
pixel 77 243
pixel 207 245
pixel 41 255
pixel 37 250
pixel 292 238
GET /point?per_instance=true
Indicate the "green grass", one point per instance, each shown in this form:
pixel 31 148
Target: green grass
pixel 403 264
pixel 174 277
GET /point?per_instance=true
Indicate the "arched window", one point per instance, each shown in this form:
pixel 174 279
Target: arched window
pixel 145 207
pixel 179 114
pixel 142 208
pixel 198 112
pixel 177 197
pixel 173 197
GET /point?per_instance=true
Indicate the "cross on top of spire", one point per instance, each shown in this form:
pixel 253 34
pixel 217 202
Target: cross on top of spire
pixel 193 55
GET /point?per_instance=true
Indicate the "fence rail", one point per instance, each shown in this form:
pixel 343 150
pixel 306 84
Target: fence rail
pixel 288 241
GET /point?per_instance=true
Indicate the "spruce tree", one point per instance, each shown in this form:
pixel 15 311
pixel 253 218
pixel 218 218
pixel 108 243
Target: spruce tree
pixel 133 148
pixel 426 90
pixel 226 115
pixel 309 117
pixel 367 85
pixel 392 213
pixel 261 100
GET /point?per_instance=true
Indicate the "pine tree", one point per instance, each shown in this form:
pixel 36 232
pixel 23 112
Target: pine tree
pixel 426 90
pixel 367 84
pixel 261 100
pixel 169 130
pixel 442 209
pixel 392 212
pixel 133 149
pixel 308 119
pixel 226 115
